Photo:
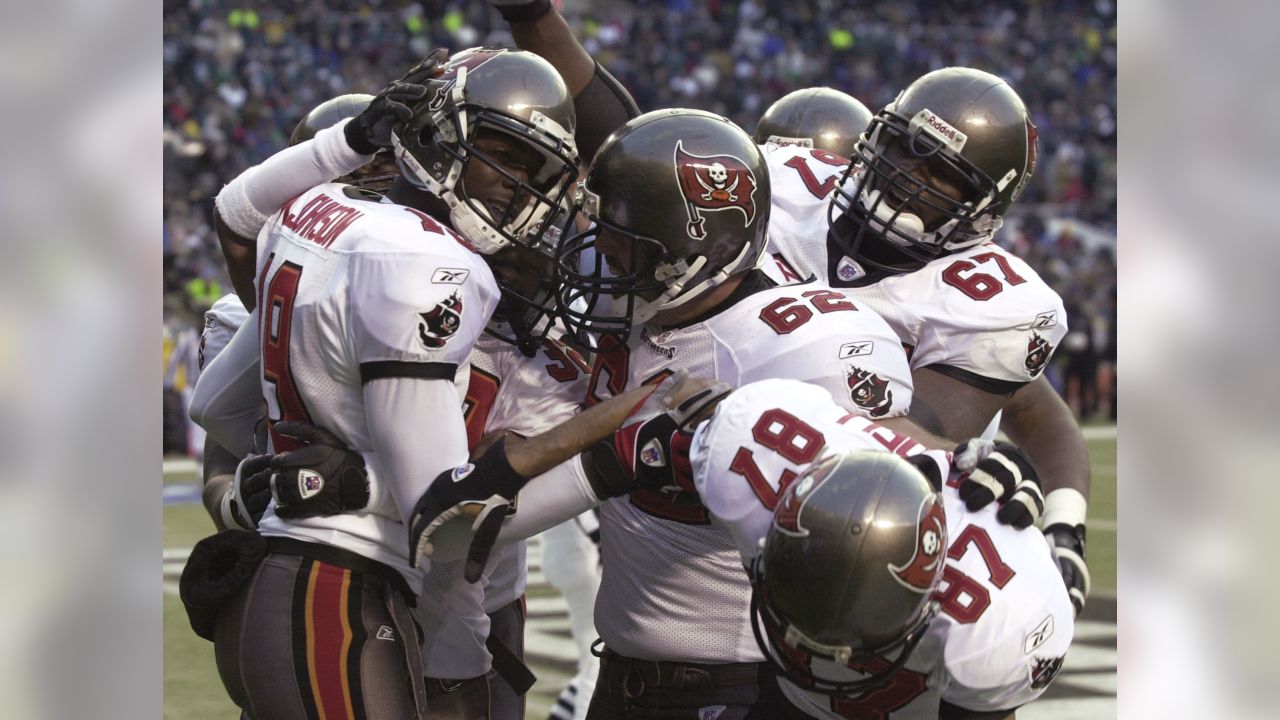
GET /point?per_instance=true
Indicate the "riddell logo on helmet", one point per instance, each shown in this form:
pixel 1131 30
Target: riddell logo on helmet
pixel 940 129
pixel 711 183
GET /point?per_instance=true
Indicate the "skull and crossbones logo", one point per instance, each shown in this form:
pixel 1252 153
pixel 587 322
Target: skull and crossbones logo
pixel 720 188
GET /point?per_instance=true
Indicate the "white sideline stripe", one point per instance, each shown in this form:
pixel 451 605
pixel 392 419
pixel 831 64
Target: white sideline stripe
pixel 173 466
pixel 1100 432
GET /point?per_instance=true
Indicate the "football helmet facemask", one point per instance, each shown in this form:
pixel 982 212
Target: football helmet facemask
pixel 497 93
pixel 847 571
pixel 935 171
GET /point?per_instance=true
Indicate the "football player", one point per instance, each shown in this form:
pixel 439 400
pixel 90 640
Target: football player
pixel 819 118
pixel 876 593
pixel 515 385
pixel 665 279
pixel 367 308
pixel 907 228
pixel 968 363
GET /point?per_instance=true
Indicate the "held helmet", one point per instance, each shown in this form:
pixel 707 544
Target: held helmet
pixel 935 171
pixel 847 570
pixel 816 117
pixel 678 201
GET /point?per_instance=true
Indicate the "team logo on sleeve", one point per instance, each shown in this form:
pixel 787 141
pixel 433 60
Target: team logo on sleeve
pixel 712 183
pixel 922 571
pixel 1038 352
pixel 440 322
pixel 1044 671
pixel 869 391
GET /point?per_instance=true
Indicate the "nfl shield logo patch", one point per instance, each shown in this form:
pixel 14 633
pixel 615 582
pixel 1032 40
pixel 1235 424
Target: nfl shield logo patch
pixel 309 483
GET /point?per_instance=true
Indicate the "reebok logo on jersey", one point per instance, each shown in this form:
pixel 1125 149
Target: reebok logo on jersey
pixel 441 322
pixel 1045 320
pixel 309 483
pixel 854 349
pixel 847 270
pixel 1037 637
pixel 449 276
pixel 386 633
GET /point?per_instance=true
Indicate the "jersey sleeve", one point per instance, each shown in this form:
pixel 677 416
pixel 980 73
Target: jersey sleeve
pixel 819 335
pixel 1020 620
pixel 991 321
pixel 414 316
pixel 738 470
pixel 220 323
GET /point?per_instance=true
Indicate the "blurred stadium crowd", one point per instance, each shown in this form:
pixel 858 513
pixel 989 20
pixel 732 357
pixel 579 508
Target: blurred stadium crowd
pixel 237 79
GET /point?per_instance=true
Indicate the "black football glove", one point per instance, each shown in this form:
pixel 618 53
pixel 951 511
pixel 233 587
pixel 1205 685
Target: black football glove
pixel 929 468
pixel 244 502
pixel 323 477
pixel 651 449
pixel 490 482
pixel 370 131
pixel 1067 543
pixel 1001 472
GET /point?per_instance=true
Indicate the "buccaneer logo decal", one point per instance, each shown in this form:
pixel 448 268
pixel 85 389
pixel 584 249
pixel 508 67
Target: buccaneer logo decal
pixel 1038 352
pixel 440 322
pixel 869 391
pixel 918 573
pixel 712 183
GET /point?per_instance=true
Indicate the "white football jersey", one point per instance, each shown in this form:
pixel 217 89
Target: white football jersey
pixel 673 587
pixel 528 396
pixel 1006 620
pixel 220 323
pixel 349 289
pixel 980 314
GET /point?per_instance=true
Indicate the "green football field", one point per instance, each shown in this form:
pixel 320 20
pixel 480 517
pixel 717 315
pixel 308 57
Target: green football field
pixel 192 690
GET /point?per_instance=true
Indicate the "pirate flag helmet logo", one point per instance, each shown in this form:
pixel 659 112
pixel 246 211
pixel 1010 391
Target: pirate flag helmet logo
pixel 920 573
pixel 441 322
pixel 711 183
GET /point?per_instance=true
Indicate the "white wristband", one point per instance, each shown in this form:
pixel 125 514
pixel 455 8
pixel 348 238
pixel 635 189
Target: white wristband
pixel 229 519
pixel 254 195
pixel 1065 506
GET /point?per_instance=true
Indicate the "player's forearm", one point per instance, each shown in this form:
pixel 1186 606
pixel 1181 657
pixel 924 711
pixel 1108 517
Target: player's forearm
pixel 240 254
pixel 547 500
pixel 904 425
pixel 397 409
pixel 538 454
pixel 1038 421
pixel 248 201
pixel 550 37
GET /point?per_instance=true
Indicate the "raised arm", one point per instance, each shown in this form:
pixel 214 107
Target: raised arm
pixel 601 102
